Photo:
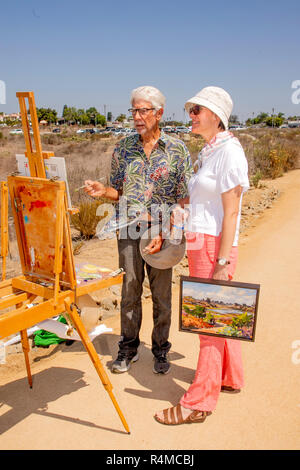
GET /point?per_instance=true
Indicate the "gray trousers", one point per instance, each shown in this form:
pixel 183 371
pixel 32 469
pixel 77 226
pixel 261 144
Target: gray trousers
pixel 160 281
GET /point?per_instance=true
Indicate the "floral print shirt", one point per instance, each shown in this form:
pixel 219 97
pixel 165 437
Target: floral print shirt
pixel 153 182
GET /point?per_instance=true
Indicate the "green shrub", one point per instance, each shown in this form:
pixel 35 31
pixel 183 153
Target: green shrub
pixel 256 178
pixel 85 221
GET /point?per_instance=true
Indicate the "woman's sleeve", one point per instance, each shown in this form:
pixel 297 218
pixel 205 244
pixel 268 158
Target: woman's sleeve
pixel 234 170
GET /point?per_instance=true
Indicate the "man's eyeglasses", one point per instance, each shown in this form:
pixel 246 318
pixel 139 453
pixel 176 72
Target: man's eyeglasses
pixel 195 109
pixel 141 111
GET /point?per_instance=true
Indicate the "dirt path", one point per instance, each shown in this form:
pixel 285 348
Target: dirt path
pixel 68 407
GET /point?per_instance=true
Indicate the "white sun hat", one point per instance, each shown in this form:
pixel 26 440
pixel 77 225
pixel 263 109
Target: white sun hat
pixel 216 99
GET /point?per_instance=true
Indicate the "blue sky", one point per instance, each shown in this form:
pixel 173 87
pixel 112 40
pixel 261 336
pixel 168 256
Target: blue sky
pixel 226 294
pixel 94 53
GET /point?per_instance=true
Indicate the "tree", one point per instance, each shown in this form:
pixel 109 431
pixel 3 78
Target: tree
pixel 274 121
pixel 95 117
pixel 64 110
pixel 261 117
pixel 70 114
pixel 265 118
pixel 47 114
pixel 91 111
pixel 121 118
pixel 83 118
pixel 100 119
pixel 199 311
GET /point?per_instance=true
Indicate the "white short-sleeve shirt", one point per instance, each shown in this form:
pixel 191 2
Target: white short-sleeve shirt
pixel 221 170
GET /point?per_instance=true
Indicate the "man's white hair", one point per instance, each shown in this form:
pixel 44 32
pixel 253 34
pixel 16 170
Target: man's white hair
pixel 149 93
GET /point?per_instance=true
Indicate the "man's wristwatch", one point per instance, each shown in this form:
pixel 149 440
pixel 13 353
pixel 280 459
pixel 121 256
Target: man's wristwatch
pixel 222 261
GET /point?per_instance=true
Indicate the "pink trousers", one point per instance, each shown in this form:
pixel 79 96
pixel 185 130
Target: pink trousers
pixel 220 359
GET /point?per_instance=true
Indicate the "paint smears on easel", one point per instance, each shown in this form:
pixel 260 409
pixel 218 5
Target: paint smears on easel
pixel 32 257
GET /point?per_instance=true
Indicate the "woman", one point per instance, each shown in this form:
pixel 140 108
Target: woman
pixel 215 194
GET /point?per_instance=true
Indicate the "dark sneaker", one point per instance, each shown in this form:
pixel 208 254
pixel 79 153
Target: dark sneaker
pixel 161 364
pixel 123 361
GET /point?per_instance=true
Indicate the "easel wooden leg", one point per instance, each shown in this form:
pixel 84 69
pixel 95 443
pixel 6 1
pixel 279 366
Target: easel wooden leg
pixel 94 357
pixel 26 349
pixel 4 226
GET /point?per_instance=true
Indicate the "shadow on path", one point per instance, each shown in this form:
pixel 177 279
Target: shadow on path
pixel 24 401
pixel 160 387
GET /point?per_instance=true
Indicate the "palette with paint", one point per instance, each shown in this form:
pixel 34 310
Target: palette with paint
pixel 87 272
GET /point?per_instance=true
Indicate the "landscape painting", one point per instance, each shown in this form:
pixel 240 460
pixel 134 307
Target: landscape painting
pixel 218 308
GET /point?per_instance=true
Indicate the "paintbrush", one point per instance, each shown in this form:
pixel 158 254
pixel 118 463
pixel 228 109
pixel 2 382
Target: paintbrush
pixel 84 186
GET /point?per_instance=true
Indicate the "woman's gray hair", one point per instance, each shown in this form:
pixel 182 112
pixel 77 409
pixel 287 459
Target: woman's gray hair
pixel 149 93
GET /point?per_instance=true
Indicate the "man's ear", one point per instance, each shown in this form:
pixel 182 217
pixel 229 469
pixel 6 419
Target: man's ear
pixel 159 113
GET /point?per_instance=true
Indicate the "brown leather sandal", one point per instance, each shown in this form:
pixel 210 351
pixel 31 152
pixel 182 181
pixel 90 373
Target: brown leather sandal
pixel 226 388
pixel 176 417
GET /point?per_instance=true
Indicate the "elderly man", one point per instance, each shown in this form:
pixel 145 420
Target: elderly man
pixel 151 170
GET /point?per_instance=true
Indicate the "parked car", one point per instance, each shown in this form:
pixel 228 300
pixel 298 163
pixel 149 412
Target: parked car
pixel 182 130
pixel 102 131
pixel 56 130
pixel 237 127
pixel 81 131
pixel 90 131
pixel 169 129
pixel 16 132
pixel 125 131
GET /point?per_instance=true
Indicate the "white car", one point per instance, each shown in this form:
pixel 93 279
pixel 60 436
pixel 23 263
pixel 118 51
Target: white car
pixel 16 132
pixel 237 128
pixel 81 131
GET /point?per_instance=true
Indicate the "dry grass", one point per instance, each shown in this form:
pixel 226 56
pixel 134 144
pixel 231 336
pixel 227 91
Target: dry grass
pixel 270 152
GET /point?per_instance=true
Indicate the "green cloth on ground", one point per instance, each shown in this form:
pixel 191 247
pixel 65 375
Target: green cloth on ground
pixel 44 338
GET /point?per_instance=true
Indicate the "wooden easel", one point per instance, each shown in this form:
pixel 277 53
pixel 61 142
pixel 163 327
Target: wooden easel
pixel 48 285
pixel 4 226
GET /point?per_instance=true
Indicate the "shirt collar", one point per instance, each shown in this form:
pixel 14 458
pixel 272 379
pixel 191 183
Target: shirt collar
pixel 219 138
pixel 163 139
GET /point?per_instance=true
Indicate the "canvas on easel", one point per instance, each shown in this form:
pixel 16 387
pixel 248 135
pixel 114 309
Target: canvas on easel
pixel 55 168
pixel 36 216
